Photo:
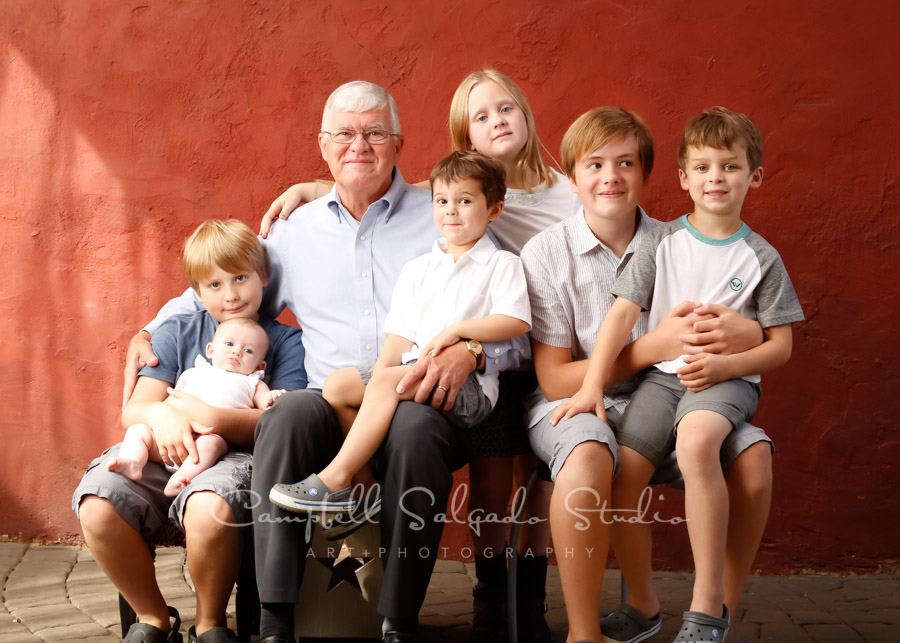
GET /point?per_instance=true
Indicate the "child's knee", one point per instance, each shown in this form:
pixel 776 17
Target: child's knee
pixel 211 445
pixel 96 514
pixel 751 472
pixel 204 514
pixel 697 450
pixel 343 387
pixel 140 432
pixel 583 466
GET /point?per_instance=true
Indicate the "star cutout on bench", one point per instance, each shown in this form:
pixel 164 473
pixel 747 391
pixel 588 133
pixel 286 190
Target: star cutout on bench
pixel 343 571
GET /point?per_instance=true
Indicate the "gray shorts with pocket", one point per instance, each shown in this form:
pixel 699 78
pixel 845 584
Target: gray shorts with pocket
pixel 143 505
pixel 553 444
pixel 470 407
pixel 660 402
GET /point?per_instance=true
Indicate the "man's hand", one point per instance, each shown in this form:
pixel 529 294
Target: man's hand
pixel 173 432
pixel 718 329
pixel 442 376
pixel 191 405
pixel 588 399
pixel 703 370
pixel 139 355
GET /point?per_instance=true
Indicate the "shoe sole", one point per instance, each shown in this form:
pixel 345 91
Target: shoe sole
pixel 302 506
pixel 344 529
pixel 643 636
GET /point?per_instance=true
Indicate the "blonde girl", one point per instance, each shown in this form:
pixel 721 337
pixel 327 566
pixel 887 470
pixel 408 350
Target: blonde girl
pixel 490 114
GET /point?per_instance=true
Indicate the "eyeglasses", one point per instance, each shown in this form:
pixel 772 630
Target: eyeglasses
pixel 347 136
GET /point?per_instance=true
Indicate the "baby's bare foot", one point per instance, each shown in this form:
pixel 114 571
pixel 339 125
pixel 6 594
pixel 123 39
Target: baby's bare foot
pixel 176 484
pixel 131 469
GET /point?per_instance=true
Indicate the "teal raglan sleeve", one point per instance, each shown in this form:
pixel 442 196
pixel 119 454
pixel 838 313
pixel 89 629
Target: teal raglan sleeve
pixel 775 297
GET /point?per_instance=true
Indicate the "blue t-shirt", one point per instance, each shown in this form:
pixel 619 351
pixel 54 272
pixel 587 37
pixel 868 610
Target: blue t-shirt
pixel 179 340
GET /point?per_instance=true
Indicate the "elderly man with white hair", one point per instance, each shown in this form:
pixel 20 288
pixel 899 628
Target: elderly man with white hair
pixel 334 264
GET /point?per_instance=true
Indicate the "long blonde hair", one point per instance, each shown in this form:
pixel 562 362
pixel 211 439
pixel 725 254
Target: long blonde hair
pixel 529 157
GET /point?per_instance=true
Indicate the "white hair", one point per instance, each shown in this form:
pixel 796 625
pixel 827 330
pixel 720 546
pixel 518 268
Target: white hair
pixel 361 96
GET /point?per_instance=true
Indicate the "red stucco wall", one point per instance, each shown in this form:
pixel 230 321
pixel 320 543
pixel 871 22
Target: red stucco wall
pixel 123 124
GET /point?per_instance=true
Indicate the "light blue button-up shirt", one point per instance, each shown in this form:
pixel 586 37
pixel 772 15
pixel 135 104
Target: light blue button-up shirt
pixel 337 275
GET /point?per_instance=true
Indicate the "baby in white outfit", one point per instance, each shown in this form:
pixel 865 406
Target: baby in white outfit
pixel 233 380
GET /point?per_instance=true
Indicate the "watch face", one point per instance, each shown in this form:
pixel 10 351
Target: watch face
pixel 474 346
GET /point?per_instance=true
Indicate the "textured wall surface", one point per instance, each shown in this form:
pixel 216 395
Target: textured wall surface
pixel 124 123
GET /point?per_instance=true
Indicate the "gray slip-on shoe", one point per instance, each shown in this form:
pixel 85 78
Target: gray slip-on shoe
pixel 311 496
pixel 698 627
pixel 627 624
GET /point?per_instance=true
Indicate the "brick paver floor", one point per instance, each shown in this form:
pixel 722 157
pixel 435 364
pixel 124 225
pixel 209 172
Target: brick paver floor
pixel 58 593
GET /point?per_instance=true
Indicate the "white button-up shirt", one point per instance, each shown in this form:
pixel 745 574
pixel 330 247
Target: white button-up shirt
pixel 434 291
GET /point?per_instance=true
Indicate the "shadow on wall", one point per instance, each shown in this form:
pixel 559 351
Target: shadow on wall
pixel 111 168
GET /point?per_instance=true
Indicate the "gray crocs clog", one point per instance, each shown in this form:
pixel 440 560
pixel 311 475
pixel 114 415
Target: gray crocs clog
pixel 698 627
pixel 366 509
pixel 311 496
pixel 627 625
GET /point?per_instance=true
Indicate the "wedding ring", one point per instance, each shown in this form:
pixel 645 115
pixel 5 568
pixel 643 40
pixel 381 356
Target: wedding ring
pixel 443 388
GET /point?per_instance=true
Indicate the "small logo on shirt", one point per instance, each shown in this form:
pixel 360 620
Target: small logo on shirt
pixel 736 284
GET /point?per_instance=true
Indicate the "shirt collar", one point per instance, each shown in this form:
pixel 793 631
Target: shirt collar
pixel 387 203
pixel 480 252
pixel 584 239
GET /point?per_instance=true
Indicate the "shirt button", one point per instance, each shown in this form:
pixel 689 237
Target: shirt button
pixel 496 361
pixel 362 274
pixel 368 347
pixel 496 351
pixel 367 312
pixel 362 237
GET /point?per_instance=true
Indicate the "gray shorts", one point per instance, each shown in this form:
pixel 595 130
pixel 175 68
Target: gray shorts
pixel 365 370
pixel 553 444
pixel 739 440
pixel 660 402
pixel 470 408
pixel 144 506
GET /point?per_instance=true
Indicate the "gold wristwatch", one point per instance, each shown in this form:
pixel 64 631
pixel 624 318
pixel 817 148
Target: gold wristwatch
pixel 474 347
